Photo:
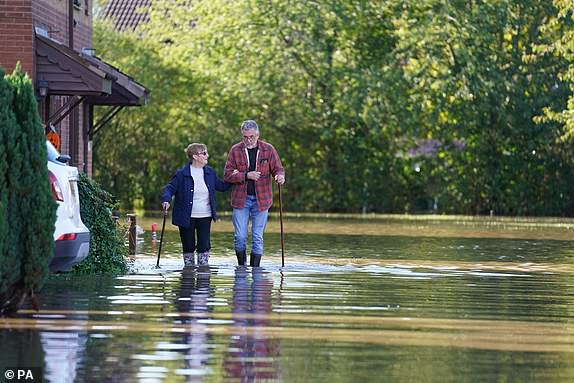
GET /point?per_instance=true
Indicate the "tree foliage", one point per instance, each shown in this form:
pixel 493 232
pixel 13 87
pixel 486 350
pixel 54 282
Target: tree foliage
pixel 561 25
pixel 374 106
pixel 30 211
pixel 108 253
pixel 7 125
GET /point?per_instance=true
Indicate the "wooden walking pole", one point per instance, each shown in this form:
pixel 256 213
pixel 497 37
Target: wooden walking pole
pixel 161 238
pixel 281 223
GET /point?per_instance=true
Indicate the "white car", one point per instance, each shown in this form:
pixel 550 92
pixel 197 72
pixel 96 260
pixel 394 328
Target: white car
pixel 71 236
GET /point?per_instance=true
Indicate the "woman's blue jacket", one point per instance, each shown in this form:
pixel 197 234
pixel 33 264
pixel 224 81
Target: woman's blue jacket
pixel 181 187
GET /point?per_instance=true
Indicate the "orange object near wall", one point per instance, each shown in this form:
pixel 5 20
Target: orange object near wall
pixel 54 138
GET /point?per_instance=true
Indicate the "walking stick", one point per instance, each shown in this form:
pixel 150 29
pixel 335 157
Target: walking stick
pixel 281 223
pixel 161 238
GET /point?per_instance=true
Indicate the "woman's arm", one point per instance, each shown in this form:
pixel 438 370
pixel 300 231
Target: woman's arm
pixel 231 174
pixel 222 185
pixel 170 189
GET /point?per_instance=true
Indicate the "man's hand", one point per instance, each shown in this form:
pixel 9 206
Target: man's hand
pixel 254 175
pixel 280 178
pixel 165 206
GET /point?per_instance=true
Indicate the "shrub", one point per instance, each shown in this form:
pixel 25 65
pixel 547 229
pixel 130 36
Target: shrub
pixel 8 264
pixel 107 250
pixel 29 209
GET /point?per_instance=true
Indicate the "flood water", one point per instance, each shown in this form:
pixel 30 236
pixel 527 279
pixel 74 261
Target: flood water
pixel 357 301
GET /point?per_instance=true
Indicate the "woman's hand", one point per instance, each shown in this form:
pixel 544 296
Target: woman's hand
pixel 165 206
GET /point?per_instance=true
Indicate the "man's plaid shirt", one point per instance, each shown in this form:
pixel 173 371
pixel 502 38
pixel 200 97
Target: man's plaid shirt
pixel 268 163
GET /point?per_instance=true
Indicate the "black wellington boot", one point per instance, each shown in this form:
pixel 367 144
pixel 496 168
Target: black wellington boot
pixel 254 260
pixel 241 257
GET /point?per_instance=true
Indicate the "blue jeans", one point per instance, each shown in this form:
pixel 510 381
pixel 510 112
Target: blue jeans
pixel 258 223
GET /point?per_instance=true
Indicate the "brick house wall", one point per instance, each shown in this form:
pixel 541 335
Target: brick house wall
pixel 18 18
pixel 52 16
pixel 16 35
pixel 37 34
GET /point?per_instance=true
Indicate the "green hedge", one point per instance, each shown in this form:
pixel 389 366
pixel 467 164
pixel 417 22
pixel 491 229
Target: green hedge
pixel 107 249
pixel 27 208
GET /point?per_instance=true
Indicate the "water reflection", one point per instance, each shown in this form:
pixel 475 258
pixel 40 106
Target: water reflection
pixel 193 304
pixel 397 309
pixel 64 351
pixel 252 354
pixel 20 348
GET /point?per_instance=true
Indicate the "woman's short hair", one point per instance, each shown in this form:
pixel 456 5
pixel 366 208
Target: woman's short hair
pixel 194 148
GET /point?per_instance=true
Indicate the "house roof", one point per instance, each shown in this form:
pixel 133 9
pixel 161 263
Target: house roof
pixel 125 90
pixel 66 72
pixel 70 73
pixel 126 14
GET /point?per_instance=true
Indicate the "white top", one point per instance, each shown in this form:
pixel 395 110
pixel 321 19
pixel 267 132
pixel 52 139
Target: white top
pixel 201 207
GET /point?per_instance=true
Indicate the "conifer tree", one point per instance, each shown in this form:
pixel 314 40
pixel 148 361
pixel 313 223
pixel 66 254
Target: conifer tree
pixel 30 207
pixel 38 210
pixel 9 260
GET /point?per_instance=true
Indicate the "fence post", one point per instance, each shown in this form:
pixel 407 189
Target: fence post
pixel 132 234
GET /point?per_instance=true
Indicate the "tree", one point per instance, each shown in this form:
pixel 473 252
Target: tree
pixel 561 25
pixel 474 90
pixel 355 94
pixel 135 154
pixel 9 272
pixel 28 248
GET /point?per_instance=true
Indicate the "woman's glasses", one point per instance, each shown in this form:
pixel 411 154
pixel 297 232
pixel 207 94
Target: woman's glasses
pixel 203 153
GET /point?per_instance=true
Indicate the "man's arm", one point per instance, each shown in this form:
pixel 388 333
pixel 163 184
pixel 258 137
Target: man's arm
pixel 277 169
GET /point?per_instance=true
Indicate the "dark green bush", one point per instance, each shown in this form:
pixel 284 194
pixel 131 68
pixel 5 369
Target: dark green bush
pixel 7 124
pixel 28 209
pixel 107 250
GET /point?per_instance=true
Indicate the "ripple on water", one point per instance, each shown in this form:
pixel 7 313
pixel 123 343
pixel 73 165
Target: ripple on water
pixel 345 308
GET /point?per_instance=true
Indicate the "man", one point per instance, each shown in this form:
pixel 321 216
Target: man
pixel 250 167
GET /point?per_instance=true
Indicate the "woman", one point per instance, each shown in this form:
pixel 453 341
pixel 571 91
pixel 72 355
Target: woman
pixel 193 187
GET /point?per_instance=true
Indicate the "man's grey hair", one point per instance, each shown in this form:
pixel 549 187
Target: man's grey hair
pixel 249 124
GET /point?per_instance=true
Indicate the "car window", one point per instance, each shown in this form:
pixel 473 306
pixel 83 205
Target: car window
pixel 52 152
pixel 54 155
